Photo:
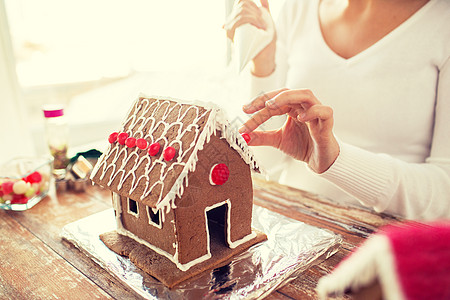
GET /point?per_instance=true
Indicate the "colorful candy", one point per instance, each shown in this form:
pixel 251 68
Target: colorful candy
pixel 34 177
pixel 19 199
pixel 141 144
pixel 169 153
pixel 20 191
pixel 154 149
pixel 20 187
pixel 113 137
pixel 219 174
pixel 246 137
pixel 30 192
pixel 130 142
pixel 7 187
pixel 122 137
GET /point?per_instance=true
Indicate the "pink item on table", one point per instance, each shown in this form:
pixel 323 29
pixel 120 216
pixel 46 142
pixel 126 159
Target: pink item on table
pixel 410 261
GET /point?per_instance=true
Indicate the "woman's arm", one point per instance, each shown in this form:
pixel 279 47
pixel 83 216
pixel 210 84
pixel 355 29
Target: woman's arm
pixel 269 67
pixel 414 190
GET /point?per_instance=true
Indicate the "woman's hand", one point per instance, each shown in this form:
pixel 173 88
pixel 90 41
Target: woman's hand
pixel 247 12
pixel 307 134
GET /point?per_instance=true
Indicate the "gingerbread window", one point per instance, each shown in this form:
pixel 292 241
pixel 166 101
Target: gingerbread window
pixel 154 217
pixel 133 208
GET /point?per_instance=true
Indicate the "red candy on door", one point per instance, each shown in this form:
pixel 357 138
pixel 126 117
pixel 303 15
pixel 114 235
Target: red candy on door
pixel 219 174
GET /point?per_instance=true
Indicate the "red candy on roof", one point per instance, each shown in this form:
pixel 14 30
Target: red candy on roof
pixel 130 142
pixel 246 137
pixel 122 138
pixel 190 137
pixel 113 137
pixel 169 153
pixel 141 144
pixel 154 149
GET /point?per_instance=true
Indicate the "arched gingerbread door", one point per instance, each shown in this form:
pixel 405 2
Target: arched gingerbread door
pixel 216 220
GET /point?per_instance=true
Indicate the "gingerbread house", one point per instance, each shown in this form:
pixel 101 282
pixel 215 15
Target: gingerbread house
pixel 177 171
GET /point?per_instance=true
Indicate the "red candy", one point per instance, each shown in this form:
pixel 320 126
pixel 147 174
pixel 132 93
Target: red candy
pixel 122 137
pixel 220 174
pixel 130 142
pixel 154 149
pixel 141 144
pixel 169 153
pixel 34 177
pixel 246 137
pixel 7 187
pixel 113 137
pixel 19 199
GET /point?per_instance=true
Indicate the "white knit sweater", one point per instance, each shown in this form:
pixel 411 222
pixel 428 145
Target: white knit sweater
pixel 391 107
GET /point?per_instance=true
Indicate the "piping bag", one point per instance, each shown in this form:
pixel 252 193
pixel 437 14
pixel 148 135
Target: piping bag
pixel 250 40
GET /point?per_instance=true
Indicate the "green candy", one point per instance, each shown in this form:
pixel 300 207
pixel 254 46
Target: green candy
pixel 30 192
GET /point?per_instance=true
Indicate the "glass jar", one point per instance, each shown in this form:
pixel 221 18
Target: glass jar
pixel 57 133
pixel 24 181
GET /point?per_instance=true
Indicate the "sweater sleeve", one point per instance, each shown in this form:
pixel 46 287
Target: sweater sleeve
pixel 276 80
pixel 413 190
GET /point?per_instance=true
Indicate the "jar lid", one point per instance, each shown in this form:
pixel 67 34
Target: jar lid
pixel 52 112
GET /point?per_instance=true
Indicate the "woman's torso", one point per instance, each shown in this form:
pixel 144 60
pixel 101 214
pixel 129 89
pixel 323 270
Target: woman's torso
pixel 383 97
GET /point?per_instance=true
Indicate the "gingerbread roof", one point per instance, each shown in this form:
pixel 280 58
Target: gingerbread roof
pixel 132 172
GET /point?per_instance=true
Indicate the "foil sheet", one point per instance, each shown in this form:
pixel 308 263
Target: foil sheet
pixel 291 248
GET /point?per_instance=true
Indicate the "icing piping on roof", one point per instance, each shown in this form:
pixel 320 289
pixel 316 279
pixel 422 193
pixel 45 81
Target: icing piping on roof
pixel 216 121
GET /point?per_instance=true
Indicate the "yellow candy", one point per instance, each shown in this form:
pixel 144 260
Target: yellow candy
pixel 20 187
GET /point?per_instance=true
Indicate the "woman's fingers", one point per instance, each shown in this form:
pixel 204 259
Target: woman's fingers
pixel 320 120
pixel 240 20
pixel 282 97
pixel 301 105
pixel 259 102
pixel 255 20
pixel 302 98
pixel 320 112
pixel 265 138
pixel 244 12
pixel 265 3
pixel 277 103
pixel 260 117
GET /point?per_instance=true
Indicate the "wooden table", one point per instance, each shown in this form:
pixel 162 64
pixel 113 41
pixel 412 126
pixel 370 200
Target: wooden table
pixel 37 264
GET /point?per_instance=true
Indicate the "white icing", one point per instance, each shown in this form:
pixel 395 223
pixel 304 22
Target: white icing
pixel 210 175
pixel 136 124
pixel 174 258
pixel 135 214
pixel 116 203
pixel 231 244
pixel 120 160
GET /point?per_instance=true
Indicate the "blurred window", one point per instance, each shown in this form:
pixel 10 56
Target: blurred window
pixel 68 41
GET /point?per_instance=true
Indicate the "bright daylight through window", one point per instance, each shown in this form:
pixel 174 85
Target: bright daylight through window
pixel 95 56
pixel 66 41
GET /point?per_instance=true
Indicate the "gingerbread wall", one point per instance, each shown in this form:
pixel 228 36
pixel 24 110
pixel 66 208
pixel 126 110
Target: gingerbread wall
pixel 190 212
pixel 163 237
